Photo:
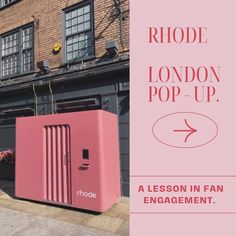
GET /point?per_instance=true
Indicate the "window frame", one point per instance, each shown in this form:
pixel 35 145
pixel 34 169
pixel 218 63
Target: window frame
pixel 20 52
pixel 65 11
pixel 8 5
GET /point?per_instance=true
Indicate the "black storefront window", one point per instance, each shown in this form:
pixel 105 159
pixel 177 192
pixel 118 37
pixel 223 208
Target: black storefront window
pixel 79 32
pixel 16 55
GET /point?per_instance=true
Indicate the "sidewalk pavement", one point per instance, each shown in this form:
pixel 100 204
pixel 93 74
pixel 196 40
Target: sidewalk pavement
pixel 26 218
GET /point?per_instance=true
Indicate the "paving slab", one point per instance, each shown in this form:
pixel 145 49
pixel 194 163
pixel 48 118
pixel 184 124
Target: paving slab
pixel 15 223
pixel 20 217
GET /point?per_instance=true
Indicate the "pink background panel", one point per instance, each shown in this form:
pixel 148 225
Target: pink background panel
pixel 150 157
pixel 183 225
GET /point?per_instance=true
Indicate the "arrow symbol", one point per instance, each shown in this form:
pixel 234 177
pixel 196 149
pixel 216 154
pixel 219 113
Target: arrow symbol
pixel 191 130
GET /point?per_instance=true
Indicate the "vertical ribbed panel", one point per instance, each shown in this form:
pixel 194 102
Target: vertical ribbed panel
pixel 57 164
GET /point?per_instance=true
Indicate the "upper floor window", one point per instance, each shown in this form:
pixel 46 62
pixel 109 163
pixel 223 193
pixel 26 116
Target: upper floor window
pixel 4 3
pixel 79 32
pixel 16 55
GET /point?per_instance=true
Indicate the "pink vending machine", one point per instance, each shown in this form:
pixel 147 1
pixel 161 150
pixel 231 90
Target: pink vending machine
pixel 69 159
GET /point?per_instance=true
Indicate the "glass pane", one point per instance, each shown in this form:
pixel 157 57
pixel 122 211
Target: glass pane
pixel 80 46
pixel 82 37
pixel 74 13
pixel 87 25
pixel 75 21
pixel 27 60
pixel 75 47
pixel 81 27
pixel 68 23
pixel 87 17
pixel 69 41
pixel 68 31
pixel 68 15
pixel 80 11
pixel 87 9
pixel 69 56
pixel 27 38
pixel 69 48
pixel 74 29
pixel 9 44
pixel 75 55
pixel 10 65
pixel 80 19
pixel 76 39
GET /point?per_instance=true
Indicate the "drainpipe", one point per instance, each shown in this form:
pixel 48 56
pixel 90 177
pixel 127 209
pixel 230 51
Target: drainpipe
pixel 121 23
pixel 52 97
pixel 35 101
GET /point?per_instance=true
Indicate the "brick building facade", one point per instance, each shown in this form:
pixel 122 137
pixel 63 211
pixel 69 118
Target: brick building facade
pixel 61 56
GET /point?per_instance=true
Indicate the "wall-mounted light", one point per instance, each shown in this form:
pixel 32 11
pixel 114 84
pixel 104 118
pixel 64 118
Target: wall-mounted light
pixel 112 49
pixel 43 66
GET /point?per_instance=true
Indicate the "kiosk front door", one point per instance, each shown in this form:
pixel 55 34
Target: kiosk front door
pixel 57 164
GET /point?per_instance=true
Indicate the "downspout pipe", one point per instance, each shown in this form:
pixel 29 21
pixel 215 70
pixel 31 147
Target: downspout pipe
pixel 121 23
pixel 35 101
pixel 52 97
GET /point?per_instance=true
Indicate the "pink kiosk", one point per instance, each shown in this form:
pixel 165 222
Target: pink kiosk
pixel 69 159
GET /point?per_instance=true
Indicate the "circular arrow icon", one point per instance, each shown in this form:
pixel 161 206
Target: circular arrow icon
pixel 185 130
